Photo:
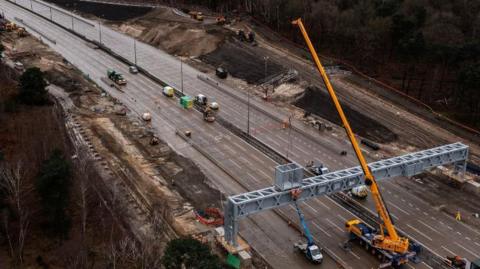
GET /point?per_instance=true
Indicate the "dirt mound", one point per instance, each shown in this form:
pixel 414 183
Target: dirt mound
pixel 242 60
pixel 181 40
pixel 174 33
pixel 317 102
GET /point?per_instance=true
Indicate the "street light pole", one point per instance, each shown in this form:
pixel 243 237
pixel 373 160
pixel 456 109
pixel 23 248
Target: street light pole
pixel 31 5
pixel 51 17
pixel 248 111
pixel 181 72
pixel 265 82
pixel 289 134
pixel 99 32
pixel 135 50
pixel 72 22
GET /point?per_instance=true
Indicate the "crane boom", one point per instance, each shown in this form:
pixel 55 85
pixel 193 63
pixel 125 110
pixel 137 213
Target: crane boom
pixel 391 241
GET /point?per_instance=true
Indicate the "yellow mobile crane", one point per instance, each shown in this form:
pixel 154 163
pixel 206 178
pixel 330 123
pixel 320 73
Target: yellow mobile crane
pixel 388 244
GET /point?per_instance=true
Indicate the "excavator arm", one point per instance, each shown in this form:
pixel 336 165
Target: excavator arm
pixel 390 241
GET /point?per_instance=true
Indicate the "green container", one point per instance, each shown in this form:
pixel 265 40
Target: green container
pixel 233 261
pixel 186 101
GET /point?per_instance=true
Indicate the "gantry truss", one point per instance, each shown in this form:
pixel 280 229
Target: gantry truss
pixel 290 176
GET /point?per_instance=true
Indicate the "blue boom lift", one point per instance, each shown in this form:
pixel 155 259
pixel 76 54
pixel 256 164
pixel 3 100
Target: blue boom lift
pixel 309 249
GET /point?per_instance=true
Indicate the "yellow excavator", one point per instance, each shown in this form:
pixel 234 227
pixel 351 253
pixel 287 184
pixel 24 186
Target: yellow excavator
pixel 392 249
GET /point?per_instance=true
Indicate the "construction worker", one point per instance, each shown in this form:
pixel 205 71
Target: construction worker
pixel 458 216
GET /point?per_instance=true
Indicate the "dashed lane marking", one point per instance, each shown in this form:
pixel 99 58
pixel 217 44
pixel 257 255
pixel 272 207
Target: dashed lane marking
pixel 451 252
pixel 335 225
pixel 397 207
pixel 419 232
pixel 469 251
pixel 428 226
pixel 321 229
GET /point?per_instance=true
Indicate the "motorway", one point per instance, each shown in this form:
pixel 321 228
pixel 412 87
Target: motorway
pixel 252 168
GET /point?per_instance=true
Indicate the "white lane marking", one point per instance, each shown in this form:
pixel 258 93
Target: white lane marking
pixel 309 206
pixel 419 232
pixel 427 265
pixel 425 213
pixel 469 251
pixel 355 255
pixel 321 229
pixel 336 257
pixel 449 227
pixel 451 252
pixel 397 207
pixel 253 177
pixel 335 225
pixel 324 205
pixel 468 238
pixel 342 218
pixel 477 244
pixel 459 233
pixel 410 266
pixel 266 176
pixel 235 163
pixel 428 226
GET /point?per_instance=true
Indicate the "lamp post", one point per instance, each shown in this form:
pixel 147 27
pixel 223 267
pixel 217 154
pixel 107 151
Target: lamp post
pixel 135 50
pixel 248 111
pixel 181 72
pixel 99 32
pixel 265 82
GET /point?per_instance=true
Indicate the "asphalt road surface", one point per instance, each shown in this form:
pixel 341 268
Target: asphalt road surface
pixel 418 219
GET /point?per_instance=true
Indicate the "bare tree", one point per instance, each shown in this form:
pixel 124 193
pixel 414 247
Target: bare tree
pixel 11 183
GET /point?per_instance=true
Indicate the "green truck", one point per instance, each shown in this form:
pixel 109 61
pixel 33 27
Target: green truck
pixel 116 77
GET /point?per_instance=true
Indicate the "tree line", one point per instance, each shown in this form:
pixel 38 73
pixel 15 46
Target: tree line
pixel 429 49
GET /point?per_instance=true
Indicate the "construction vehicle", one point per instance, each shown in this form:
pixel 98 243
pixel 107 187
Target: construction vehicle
pixel 168 91
pixel 220 20
pixel 385 243
pixel 221 72
pixel 197 15
pixel 201 100
pixel 116 77
pixel 133 69
pixel 208 114
pixel 462 263
pixel 311 251
pixel 317 168
pixel 146 116
pixel 21 31
pixel 214 106
pixel 10 26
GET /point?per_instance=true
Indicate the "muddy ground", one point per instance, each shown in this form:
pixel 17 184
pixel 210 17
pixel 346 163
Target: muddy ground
pixel 319 103
pixel 243 61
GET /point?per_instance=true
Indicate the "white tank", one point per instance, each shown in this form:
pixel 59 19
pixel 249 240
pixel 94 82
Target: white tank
pixel 360 191
pixel 147 117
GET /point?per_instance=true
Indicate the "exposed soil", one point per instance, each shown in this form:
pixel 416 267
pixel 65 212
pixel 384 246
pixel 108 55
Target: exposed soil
pixel 175 34
pixel 104 11
pixel 317 102
pixel 244 61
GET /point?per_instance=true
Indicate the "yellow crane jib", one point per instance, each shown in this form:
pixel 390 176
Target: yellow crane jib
pixel 390 240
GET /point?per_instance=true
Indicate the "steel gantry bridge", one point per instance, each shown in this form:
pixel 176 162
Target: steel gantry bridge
pixel 290 176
